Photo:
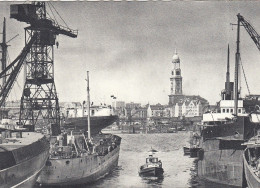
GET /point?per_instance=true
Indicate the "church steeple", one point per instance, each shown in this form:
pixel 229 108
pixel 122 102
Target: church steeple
pixel 176 78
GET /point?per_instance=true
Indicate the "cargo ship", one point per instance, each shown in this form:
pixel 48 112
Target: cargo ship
pixel 22 157
pixel 76 160
pixel 80 158
pixel 224 131
pixel 100 118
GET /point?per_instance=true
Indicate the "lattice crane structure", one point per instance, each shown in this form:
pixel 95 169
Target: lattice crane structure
pixel 39 100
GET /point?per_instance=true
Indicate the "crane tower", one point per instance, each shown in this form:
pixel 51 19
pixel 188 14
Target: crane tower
pixel 39 99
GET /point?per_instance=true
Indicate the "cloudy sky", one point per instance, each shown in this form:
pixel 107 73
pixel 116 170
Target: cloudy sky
pixel 128 47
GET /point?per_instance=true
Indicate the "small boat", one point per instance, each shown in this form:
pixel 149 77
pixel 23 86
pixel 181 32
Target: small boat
pixel 186 150
pixel 251 159
pixel 193 149
pixel 152 167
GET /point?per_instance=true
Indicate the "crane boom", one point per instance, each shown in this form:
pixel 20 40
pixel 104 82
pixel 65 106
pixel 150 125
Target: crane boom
pixel 251 31
pixel 16 67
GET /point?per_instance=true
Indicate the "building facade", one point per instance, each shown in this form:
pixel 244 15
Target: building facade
pixel 118 104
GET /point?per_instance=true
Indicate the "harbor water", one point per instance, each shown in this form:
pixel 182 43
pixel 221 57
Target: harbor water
pixel 179 170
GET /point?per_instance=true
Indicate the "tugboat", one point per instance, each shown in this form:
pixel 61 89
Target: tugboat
pixel 78 158
pixel 251 160
pixel 152 167
pixel 223 131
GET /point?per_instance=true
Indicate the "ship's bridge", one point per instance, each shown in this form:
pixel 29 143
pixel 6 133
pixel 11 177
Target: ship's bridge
pixel 226 112
pixel 227 106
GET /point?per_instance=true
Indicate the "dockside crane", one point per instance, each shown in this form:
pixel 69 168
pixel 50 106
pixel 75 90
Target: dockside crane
pixel 39 99
pixel 256 38
pixel 250 30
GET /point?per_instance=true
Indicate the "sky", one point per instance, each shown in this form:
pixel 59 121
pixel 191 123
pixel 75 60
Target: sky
pixel 128 48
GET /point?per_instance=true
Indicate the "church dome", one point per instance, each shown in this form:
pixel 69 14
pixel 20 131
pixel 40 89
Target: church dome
pixel 175 57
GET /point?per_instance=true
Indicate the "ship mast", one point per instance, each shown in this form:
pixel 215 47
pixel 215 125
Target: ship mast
pixel 4 53
pixel 88 104
pixel 236 68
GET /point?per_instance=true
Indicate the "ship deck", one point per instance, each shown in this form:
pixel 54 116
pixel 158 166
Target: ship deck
pixel 15 143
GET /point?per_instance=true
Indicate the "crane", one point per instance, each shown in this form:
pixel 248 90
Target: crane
pixel 250 29
pixel 39 100
pixel 255 37
pixel 8 73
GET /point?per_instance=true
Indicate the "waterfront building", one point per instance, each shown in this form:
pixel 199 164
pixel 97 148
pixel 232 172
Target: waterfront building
pixel 118 104
pixel 157 110
pixel 132 105
pixel 140 113
pixel 180 104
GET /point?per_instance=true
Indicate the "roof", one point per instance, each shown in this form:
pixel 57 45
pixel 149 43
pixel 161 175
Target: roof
pixel 157 107
pixel 187 98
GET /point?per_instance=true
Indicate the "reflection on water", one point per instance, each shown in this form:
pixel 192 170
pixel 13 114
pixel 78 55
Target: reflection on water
pixel 153 180
pixel 179 170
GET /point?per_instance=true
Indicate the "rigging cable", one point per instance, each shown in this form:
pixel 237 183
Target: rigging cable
pixel 52 13
pixel 59 15
pixel 245 76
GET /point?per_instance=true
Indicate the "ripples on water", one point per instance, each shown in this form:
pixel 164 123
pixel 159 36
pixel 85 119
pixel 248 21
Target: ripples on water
pixel 179 170
pixel 134 150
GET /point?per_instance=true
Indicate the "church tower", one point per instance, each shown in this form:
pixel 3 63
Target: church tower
pixel 176 78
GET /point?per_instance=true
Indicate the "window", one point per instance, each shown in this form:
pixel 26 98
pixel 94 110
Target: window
pixel 177 72
pixel 223 110
pixel 227 110
pixel 239 110
pixel 231 110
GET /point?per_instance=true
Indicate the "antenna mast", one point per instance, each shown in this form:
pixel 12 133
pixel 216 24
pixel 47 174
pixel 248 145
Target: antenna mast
pixel 88 104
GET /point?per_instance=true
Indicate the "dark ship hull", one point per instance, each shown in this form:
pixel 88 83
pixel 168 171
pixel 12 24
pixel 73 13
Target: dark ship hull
pixel 21 167
pixel 151 171
pixel 80 170
pixel 221 156
pixel 97 123
pixel 186 150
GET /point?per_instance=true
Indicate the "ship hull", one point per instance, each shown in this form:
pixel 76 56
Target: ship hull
pixel 81 170
pixel 251 178
pixel 97 123
pixel 194 152
pixel 152 171
pixel 25 173
pixel 221 157
pixel 186 150
pixel 221 166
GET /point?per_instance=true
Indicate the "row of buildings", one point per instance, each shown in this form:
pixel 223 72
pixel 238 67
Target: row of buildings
pixel 179 105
